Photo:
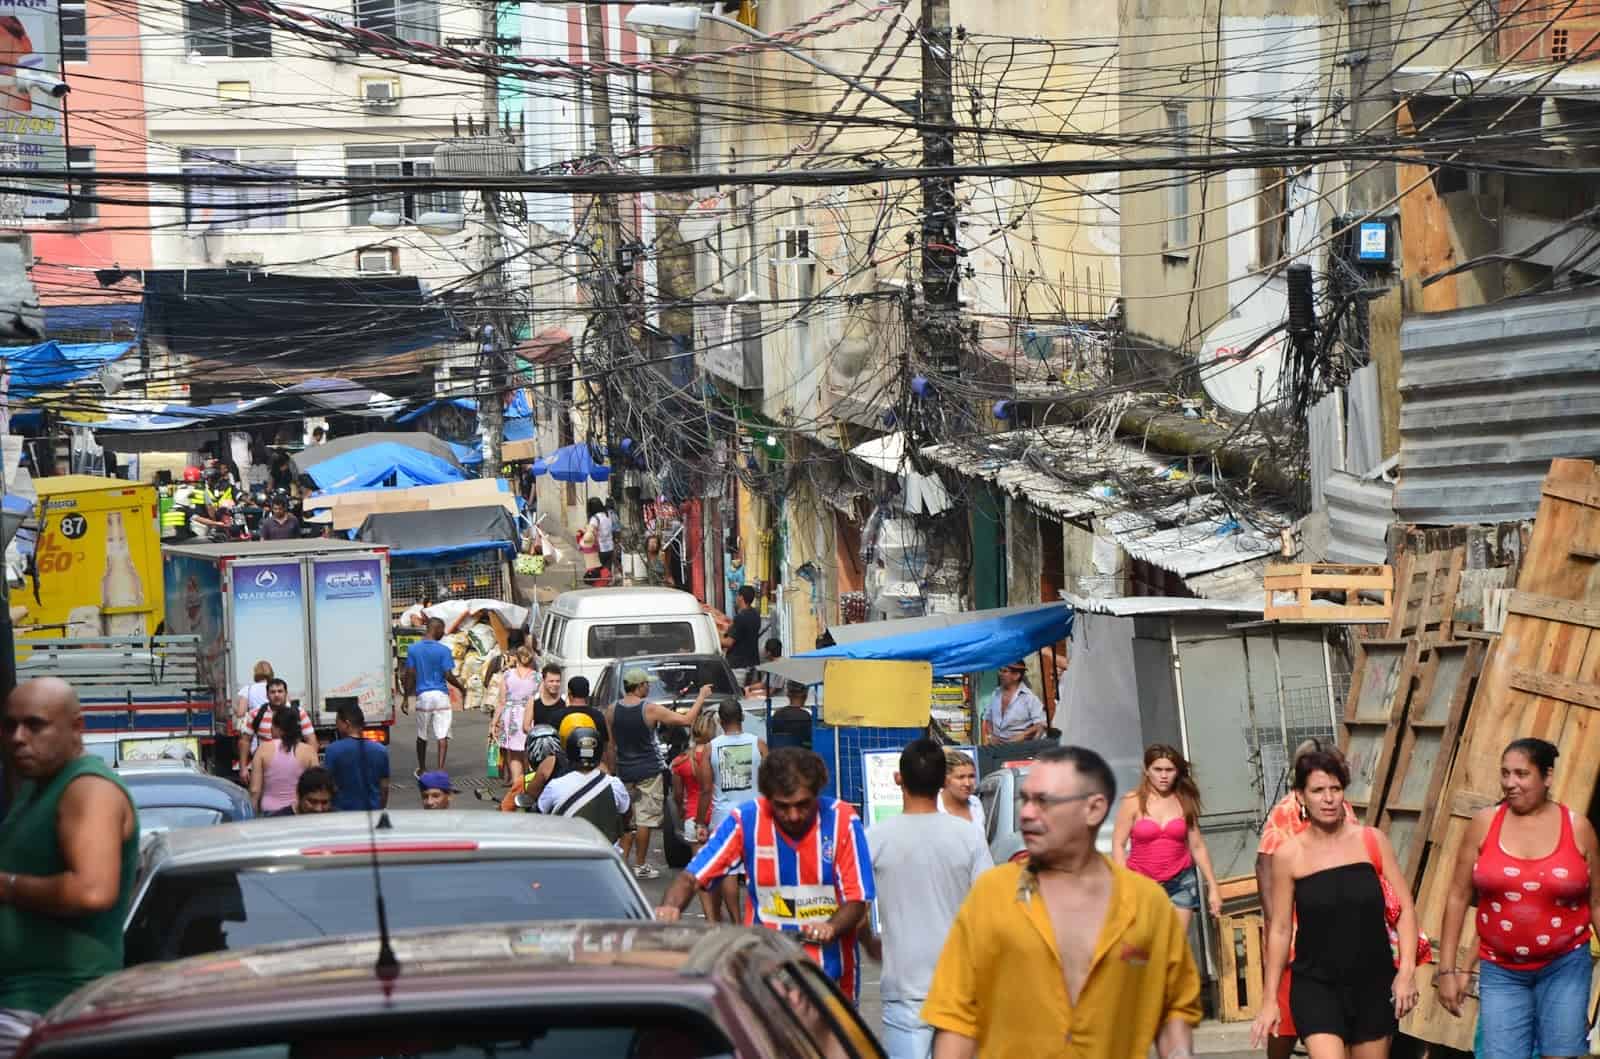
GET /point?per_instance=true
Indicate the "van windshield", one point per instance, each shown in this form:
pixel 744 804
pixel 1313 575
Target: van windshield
pixel 630 639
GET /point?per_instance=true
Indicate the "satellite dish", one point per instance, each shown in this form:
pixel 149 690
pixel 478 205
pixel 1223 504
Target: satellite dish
pixel 1240 384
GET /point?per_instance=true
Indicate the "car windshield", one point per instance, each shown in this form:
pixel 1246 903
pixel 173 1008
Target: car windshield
pixel 189 912
pixel 160 818
pixel 629 639
pixel 681 678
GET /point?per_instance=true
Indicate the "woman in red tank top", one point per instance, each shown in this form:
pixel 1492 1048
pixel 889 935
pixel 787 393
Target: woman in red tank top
pixel 1157 832
pixel 1529 864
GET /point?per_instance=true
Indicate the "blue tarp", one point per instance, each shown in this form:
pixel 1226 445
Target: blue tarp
pixel 969 647
pixel 465 403
pixel 383 464
pixel 51 365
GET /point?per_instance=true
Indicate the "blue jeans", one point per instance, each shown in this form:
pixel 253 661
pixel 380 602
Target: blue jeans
pixel 905 1035
pixel 1550 1007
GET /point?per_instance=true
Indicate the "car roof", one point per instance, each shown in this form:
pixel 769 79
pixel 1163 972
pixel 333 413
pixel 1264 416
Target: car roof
pixel 625 602
pixel 416 830
pixel 670 658
pixel 158 788
pixel 606 956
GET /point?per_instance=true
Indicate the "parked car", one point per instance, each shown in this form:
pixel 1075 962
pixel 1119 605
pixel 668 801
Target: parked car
pixel 998 791
pixel 586 628
pixel 592 989
pixel 177 794
pixel 302 877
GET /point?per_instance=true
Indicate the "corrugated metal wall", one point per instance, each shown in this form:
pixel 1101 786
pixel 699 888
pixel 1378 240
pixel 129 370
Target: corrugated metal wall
pixel 1359 513
pixel 1489 396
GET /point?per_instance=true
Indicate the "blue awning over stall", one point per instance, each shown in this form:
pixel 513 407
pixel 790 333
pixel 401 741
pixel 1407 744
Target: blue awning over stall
pixel 51 365
pixel 969 642
pixel 380 465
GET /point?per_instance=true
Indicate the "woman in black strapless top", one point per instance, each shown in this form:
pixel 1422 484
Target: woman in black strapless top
pixel 1346 994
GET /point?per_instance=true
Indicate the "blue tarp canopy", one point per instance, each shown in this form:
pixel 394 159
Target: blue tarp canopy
pixel 383 464
pixel 970 642
pixel 51 365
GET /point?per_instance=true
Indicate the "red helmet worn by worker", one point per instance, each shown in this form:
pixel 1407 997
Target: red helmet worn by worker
pixel 191 474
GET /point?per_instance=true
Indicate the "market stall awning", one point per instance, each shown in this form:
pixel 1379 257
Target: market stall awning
pixel 51 365
pixel 968 642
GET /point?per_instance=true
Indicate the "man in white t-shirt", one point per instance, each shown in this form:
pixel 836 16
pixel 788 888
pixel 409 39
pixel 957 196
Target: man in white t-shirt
pixel 924 862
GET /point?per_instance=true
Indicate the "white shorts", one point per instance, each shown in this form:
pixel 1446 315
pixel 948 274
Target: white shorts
pixel 433 715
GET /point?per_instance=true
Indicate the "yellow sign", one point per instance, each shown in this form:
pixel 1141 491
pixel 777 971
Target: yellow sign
pixel 876 694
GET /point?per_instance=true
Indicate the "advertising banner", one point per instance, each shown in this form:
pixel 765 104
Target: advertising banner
pixel 32 106
pixel 269 623
pixel 352 645
pixel 194 608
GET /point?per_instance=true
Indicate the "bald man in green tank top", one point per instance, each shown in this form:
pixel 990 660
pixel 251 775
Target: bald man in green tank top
pixel 69 847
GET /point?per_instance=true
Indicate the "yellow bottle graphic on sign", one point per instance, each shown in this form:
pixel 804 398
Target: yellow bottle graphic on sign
pixel 121 586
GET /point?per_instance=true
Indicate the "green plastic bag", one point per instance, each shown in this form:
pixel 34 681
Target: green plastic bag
pixel 492 757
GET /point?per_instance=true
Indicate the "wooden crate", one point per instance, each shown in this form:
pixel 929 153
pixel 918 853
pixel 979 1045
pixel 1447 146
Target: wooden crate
pixel 1425 588
pixel 1240 966
pixel 1306 579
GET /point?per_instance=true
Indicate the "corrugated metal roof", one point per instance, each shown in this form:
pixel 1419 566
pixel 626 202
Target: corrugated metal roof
pixel 1489 396
pixel 1135 606
pixel 1360 511
pixel 1068 473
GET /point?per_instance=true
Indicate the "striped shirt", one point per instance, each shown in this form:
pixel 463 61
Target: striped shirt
pixel 790 881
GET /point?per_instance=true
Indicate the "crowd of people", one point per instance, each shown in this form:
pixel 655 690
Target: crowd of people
pixel 1058 951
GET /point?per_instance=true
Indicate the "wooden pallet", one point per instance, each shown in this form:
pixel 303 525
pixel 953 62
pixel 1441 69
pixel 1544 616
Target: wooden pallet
pixel 1304 580
pixel 1541 678
pixel 1446 675
pixel 1425 594
pixel 1380 685
pixel 1240 966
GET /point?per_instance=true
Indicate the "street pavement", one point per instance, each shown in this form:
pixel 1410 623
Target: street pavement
pixel 465 762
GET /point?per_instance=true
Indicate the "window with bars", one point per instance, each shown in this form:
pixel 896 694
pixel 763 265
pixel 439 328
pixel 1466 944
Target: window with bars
pixel 396 160
pixel 222 34
pixel 74 32
pixel 266 205
pixel 416 20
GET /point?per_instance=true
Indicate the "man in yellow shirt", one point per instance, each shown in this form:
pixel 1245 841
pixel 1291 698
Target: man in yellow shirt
pixel 1068 954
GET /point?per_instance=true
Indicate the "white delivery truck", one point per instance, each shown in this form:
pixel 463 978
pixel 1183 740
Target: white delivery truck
pixel 317 610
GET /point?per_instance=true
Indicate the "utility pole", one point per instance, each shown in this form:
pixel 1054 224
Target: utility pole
pixel 497 338
pixel 608 260
pixel 1371 58
pixel 941 277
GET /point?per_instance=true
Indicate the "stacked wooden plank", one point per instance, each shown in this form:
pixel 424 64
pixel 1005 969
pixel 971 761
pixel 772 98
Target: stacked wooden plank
pixel 1541 678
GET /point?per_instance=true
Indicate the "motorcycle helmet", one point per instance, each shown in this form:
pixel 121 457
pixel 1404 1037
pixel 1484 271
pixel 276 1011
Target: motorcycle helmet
pixel 191 474
pixel 583 747
pixel 278 496
pixel 542 743
pixel 572 721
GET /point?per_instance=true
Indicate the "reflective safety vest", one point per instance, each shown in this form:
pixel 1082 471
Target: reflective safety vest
pixel 175 511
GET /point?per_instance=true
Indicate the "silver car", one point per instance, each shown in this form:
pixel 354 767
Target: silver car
pixel 233 886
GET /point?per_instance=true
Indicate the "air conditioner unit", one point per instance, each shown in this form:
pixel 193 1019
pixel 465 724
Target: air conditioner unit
pixel 380 92
pixel 377 262
pixel 794 246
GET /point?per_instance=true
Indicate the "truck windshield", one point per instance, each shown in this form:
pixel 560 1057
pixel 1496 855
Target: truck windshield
pixel 189 912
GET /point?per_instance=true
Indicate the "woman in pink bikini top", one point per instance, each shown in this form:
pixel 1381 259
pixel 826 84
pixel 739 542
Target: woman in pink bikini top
pixel 1157 832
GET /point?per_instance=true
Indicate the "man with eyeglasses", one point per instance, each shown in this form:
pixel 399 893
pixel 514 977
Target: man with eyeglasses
pixel 1066 954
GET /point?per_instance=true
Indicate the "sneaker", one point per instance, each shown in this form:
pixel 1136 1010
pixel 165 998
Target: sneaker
pixel 646 871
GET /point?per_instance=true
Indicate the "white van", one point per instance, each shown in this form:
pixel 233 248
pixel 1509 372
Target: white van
pixel 586 628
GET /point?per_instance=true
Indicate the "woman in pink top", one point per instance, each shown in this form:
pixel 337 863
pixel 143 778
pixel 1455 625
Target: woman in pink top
pixel 1157 832
pixel 276 768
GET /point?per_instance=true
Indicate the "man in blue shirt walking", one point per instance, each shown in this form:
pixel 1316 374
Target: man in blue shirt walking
pixel 430 673
pixel 360 767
